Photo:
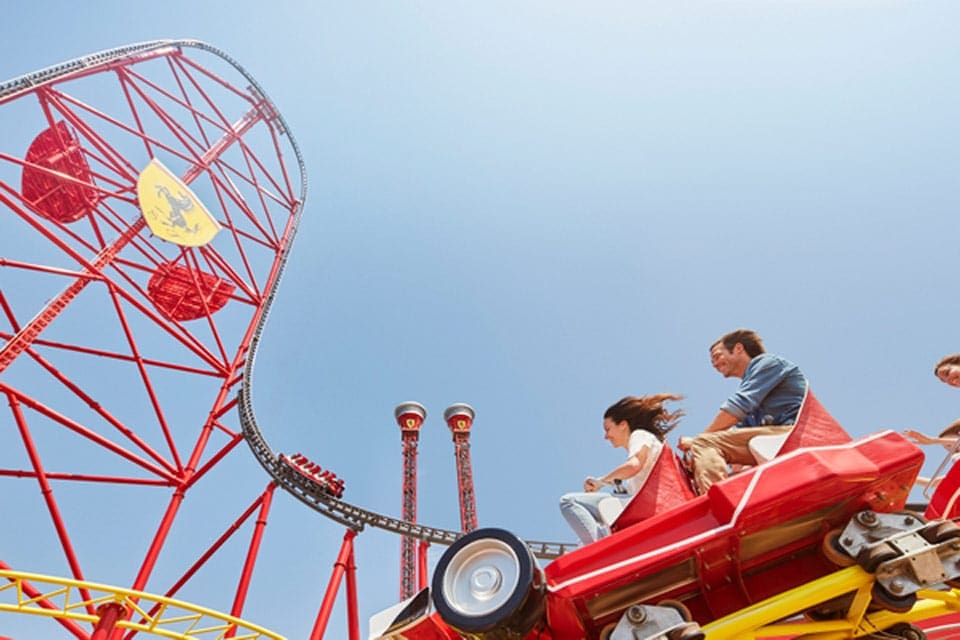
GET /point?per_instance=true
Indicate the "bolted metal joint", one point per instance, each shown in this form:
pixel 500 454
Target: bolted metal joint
pixel 648 622
pixel 637 614
pixel 905 552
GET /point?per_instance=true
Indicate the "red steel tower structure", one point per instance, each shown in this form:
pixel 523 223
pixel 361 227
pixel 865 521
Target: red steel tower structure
pixel 149 196
pixel 459 417
pixel 409 416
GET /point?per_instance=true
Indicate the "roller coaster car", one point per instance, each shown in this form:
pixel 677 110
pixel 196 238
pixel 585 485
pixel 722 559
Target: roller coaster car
pixel 323 478
pixel 753 536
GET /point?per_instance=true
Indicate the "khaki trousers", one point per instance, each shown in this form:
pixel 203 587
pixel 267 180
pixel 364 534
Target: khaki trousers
pixel 712 452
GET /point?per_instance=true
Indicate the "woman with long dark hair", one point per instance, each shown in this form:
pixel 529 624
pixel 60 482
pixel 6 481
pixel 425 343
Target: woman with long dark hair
pixel 638 424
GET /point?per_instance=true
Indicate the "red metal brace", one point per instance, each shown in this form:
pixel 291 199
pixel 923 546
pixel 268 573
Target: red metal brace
pixel 109 614
pixel 343 564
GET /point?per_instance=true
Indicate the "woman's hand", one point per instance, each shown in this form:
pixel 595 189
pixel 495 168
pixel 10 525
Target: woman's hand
pixel 918 437
pixel 592 484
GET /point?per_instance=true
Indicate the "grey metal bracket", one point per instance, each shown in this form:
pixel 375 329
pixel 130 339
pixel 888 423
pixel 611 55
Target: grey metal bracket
pixel 905 552
pixel 648 622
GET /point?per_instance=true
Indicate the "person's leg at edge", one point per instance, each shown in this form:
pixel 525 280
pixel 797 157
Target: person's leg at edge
pixel 709 466
pixel 582 513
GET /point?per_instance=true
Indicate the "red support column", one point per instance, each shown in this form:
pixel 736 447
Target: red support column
pixel 409 416
pixel 109 614
pixel 459 417
pixel 422 558
pixel 353 611
pixel 344 561
pixel 252 552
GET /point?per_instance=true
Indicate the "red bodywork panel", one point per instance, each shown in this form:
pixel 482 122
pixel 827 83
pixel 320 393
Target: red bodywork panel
pixel 945 502
pixel 815 427
pixel 945 627
pixel 667 487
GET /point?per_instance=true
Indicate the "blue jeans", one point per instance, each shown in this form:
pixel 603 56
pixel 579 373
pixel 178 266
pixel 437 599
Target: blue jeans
pixel 581 511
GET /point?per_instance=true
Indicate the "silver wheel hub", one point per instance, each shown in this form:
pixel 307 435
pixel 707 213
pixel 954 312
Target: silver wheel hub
pixel 481 577
pixel 485 582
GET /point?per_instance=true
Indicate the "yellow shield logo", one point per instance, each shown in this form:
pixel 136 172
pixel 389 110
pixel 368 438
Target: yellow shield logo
pixel 172 210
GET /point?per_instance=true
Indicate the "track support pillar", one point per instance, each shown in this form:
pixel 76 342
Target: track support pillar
pixel 343 564
pixel 109 614
pixel 422 577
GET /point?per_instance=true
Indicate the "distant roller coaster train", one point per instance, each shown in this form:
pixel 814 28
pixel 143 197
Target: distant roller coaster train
pixel 151 195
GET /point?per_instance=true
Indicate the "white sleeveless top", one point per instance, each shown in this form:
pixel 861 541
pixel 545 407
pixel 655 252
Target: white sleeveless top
pixel 638 440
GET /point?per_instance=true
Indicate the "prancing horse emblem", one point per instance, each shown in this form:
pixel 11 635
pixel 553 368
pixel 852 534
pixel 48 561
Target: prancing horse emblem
pixel 177 206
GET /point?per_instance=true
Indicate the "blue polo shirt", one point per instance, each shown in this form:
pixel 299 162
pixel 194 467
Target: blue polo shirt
pixel 770 393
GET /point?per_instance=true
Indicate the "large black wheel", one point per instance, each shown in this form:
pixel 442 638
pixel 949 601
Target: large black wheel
pixel 834 551
pixel 488 585
pixel 870 558
pixel 889 602
pixel 937 532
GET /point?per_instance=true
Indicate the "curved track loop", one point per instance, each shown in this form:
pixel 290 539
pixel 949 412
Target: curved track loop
pixel 11 88
pixel 316 495
pixel 313 494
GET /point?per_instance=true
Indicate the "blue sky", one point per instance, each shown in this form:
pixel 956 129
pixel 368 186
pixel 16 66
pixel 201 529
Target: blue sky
pixel 537 208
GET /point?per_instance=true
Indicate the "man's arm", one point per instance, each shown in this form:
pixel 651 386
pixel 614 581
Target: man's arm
pixel 724 420
pixel 763 375
pixel 920 438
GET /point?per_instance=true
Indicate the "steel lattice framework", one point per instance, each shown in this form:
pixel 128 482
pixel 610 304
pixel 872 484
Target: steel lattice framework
pixel 122 353
pixel 127 360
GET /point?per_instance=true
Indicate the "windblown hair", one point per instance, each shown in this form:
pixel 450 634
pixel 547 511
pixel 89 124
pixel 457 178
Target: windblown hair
pixel 954 359
pixel 751 342
pixel 953 429
pixel 647 413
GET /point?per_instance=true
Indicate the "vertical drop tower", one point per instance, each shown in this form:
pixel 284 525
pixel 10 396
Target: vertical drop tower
pixel 459 417
pixel 409 416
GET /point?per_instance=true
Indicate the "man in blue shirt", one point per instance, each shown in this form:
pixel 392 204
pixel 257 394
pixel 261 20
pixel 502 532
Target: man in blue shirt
pixel 766 403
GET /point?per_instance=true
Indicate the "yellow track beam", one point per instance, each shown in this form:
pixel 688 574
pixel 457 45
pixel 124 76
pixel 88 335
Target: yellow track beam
pixel 766 619
pixel 173 619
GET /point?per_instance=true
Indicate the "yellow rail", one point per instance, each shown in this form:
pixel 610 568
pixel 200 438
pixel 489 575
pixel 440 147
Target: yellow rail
pixel 778 616
pixel 172 618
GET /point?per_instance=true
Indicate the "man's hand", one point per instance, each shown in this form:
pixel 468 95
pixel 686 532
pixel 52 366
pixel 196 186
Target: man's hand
pixel 684 443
